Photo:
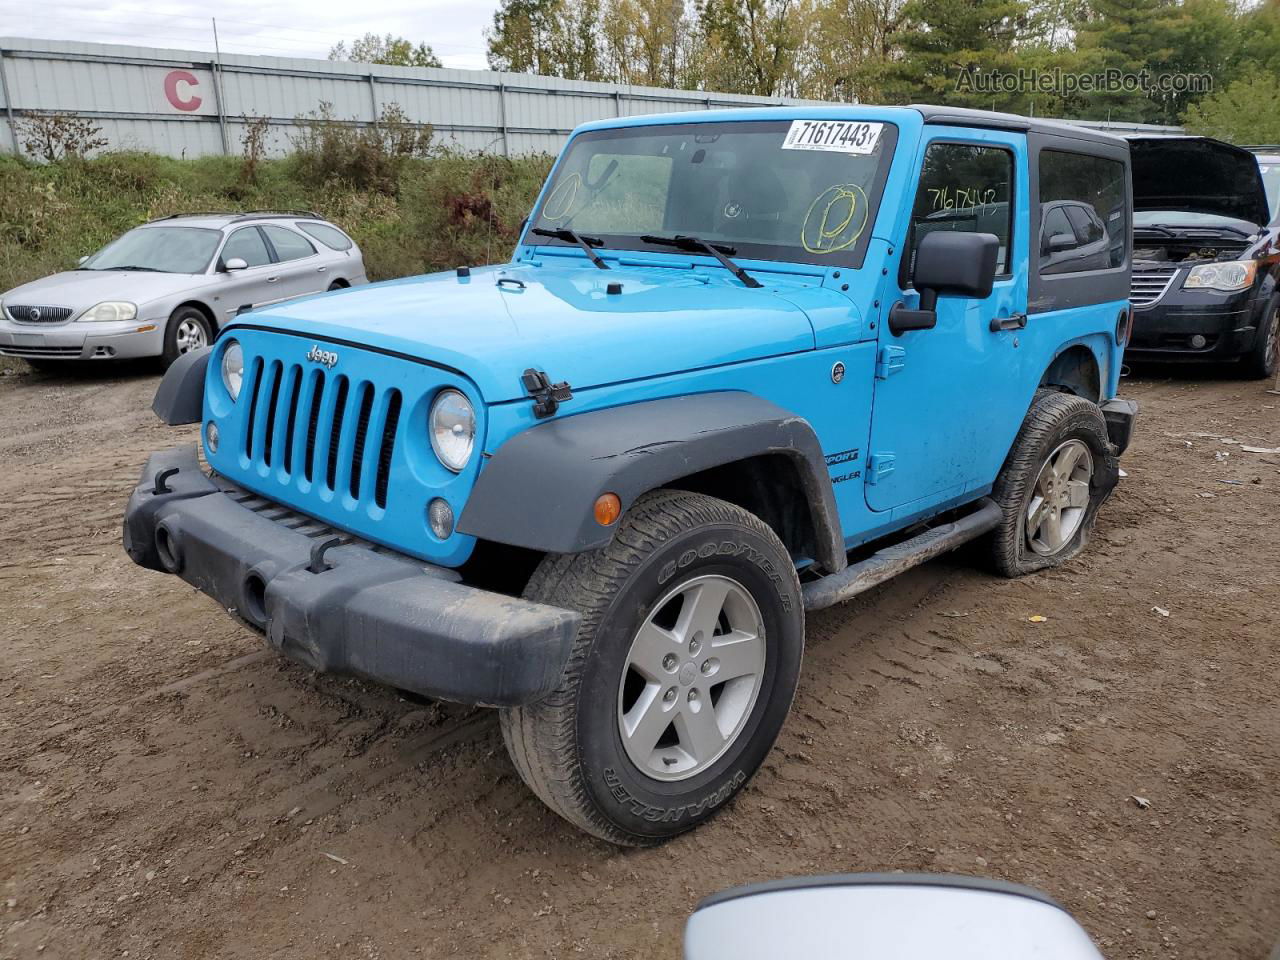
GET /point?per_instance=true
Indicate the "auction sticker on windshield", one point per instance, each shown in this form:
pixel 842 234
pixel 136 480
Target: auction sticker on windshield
pixel 840 136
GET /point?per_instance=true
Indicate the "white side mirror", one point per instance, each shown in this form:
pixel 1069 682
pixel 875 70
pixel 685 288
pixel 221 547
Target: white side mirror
pixel 886 917
pixel 81 262
pixel 235 263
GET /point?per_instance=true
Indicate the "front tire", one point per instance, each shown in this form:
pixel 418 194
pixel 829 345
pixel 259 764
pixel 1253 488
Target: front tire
pixel 681 674
pixel 1061 469
pixel 188 329
pixel 1263 357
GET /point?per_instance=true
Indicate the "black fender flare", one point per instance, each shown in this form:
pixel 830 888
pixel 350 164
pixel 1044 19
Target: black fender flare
pixel 539 489
pixel 180 396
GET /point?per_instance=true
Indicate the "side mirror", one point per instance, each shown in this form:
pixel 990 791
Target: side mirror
pixel 235 263
pixel 1061 243
pixel 82 261
pixel 947 262
pixel 885 916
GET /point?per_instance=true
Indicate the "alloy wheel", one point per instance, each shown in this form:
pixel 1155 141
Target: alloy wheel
pixel 1060 498
pixel 692 677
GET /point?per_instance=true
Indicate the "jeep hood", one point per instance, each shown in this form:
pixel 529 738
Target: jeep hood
pixel 500 321
pixel 1199 175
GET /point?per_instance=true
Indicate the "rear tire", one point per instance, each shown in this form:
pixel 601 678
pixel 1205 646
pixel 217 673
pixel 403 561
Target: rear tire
pixel 1263 358
pixel 1061 469
pixel 188 329
pixel 641 741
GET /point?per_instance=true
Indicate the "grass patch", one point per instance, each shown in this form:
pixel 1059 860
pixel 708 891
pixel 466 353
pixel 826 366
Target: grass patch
pixel 435 212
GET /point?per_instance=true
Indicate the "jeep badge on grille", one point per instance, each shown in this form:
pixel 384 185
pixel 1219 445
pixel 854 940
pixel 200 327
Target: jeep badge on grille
pixel 328 357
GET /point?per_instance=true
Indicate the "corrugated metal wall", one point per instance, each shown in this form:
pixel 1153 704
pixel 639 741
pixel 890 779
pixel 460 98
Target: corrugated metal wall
pixel 170 101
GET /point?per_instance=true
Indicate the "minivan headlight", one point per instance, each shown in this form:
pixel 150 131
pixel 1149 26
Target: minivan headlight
pixel 452 424
pixel 233 368
pixel 1233 275
pixel 110 311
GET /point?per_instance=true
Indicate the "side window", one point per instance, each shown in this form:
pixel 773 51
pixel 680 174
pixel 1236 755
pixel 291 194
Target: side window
pixel 331 237
pixel 1084 223
pixel 288 245
pixel 246 243
pixel 964 187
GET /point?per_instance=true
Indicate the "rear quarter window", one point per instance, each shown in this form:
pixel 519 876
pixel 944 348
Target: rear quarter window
pixel 331 237
pixel 1099 221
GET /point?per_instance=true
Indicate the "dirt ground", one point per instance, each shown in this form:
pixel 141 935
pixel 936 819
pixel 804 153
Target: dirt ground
pixel 170 789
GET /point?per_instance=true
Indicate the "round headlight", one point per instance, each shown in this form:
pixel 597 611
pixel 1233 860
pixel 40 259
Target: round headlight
pixel 453 429
pixel 233 368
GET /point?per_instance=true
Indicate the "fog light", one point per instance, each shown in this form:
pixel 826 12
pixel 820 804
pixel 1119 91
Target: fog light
pixel 440 518
pixel 1198 341
pixel 211 437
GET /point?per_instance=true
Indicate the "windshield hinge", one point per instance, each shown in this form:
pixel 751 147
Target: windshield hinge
pixel 547 396
pixel 890 360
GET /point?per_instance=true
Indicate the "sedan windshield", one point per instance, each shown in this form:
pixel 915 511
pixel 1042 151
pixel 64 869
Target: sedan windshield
pixel 801 191
pixel 160 249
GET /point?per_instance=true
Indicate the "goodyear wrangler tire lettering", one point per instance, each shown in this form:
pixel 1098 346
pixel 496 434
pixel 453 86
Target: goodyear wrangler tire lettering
pixel 656 814
pixel 578 749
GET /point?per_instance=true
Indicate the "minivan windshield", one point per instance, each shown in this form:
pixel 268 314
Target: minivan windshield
pixel 159 250
pixel 800 191
pixel 1270 168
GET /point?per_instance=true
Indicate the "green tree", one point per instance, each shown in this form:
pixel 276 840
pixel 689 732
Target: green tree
pixel 945 43
pixel 1129 37
pixel 751 46
pixel 851 49
pixel 552 38
pixel 390 50
pixel 1244 112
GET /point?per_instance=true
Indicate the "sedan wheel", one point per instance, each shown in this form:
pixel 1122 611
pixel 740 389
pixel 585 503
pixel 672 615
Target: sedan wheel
pixel 190 336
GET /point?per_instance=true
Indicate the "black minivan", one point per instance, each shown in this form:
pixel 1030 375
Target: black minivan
pixel 1206 257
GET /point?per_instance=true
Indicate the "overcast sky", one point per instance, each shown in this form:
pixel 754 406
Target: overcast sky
pixel 297 28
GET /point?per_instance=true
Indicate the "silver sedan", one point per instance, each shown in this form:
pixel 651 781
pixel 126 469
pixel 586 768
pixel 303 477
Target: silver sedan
pixel 164 288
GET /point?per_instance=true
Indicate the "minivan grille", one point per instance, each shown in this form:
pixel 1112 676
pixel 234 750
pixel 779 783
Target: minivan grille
pixel 34 314
pixel 335 433
pixel 1148 286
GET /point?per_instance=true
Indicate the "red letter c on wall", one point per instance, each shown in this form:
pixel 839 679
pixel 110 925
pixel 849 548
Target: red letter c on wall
pixel 171 81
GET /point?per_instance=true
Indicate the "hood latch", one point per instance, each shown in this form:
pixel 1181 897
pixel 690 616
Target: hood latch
pixel 547 396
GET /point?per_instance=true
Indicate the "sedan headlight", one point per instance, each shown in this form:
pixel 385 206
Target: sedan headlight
pixel 453 429
pixel 111 311
pixel 1234 275
pixel 233 368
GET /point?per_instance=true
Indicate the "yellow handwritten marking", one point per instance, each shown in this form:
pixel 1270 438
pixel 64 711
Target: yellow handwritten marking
pixel 841 222
pixel 562 198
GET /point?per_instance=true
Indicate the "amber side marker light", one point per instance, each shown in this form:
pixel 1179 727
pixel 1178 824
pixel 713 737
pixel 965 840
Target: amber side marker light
pixel 608 509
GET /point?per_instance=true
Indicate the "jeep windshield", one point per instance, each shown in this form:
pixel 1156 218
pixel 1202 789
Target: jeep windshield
pixel 158 250
pixel 794 191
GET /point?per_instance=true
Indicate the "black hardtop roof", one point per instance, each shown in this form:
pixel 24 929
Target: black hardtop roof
pixel 993 120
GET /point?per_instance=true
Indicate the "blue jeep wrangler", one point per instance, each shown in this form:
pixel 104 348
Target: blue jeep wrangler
pixel 742 365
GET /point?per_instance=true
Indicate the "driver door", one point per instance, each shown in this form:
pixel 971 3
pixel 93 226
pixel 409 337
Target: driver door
pixel 947 399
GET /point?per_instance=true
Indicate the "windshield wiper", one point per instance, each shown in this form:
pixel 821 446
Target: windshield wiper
pixel 572 236
pixel 134 266
pixel 717 250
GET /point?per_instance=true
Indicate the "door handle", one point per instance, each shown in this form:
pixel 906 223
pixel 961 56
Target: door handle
pixel 1016 322
pixel 272 279
pixel 321 269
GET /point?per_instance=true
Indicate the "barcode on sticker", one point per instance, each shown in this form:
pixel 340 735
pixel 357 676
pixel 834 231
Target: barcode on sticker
pixel 840 136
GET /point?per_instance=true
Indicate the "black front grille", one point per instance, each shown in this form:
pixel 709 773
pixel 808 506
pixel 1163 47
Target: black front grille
pixel 24 313
pixel 333 431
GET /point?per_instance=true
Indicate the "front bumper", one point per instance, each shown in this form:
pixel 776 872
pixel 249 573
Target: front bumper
pixel 368 611
pixel 1164 330
pixel 82 341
